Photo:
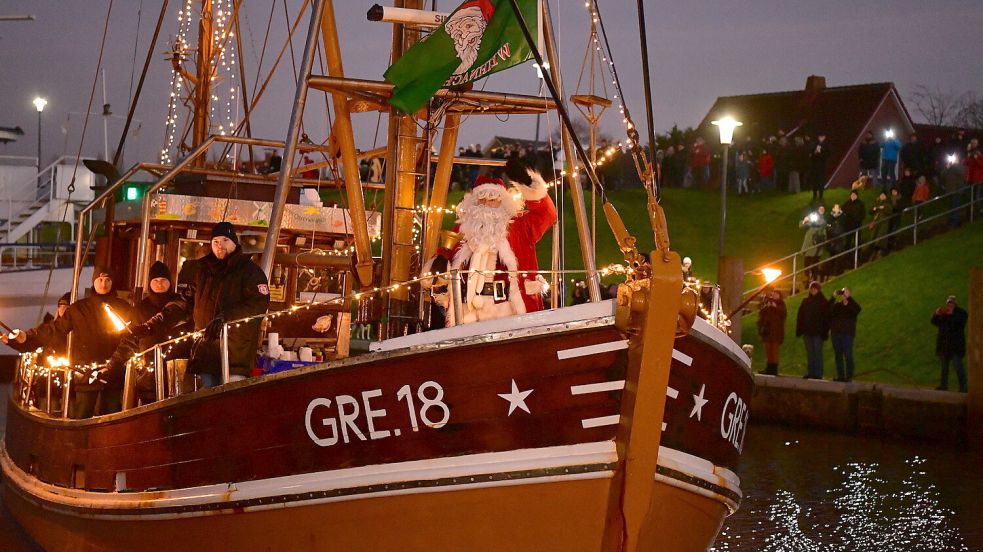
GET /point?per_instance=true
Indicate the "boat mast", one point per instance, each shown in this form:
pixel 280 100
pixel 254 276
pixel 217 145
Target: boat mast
pixel 202 97
pixel 401 175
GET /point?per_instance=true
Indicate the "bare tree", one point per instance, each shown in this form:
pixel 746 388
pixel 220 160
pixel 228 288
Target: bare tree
pixel 971 113
pixel 938 107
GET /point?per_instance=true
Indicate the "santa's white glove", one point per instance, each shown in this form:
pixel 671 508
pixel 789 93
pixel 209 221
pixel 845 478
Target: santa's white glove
pixel 477 301
pixel 537 286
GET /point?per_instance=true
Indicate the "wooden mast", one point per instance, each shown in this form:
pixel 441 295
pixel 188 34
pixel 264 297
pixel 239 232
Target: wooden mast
pixel 401 174
pixel 344 136
pixel 203 72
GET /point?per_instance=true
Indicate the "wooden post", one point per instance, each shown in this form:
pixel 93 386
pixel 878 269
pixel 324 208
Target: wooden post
pixel 974 358
pixel 731 271
pixel 643 404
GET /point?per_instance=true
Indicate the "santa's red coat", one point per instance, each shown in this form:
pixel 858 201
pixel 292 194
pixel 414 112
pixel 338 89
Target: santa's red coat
pixel 525 230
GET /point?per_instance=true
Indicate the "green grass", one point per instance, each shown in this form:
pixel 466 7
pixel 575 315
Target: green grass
pixel 895 340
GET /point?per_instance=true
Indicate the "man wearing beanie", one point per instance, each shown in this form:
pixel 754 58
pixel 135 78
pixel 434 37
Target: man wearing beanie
pixel 227 286
pixel 94 339
pixel 148 328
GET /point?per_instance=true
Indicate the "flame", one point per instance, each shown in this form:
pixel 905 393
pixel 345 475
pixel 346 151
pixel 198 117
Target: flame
pixel 57 362
pixel 771 274
pixel 118 322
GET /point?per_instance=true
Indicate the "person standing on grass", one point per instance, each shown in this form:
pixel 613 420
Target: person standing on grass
pixel 771 328
pixel 812 325
pixel 843 311
pixel 950 345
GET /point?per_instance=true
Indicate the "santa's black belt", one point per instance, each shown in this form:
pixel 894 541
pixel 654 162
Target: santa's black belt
pixel 496 289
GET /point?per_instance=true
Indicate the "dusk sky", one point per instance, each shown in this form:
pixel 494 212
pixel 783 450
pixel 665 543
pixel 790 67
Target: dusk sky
pixel 698 51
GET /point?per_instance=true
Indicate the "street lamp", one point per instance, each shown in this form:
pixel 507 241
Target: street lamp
pixel 39 103
pixel 726 125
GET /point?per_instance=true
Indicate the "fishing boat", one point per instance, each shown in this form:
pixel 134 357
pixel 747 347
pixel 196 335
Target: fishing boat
pixel 616 424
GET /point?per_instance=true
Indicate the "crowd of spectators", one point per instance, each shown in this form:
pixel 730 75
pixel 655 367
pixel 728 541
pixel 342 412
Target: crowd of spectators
pixel 868 227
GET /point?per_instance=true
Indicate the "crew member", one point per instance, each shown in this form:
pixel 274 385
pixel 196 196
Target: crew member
pixel 227 286
pixel 94 339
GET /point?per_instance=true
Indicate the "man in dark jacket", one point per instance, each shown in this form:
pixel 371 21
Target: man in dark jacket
pixel 843 311
pixel 817 166
pixel 869 153
pixel 950 345
pixel 94 339
pixel 228 286
pixel 148 328
pixel 914 156
pixel 812 325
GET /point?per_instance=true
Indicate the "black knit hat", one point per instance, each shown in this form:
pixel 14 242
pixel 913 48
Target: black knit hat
pixel 225 229
pixel 100 270
pixel 65 299
pixel 159 270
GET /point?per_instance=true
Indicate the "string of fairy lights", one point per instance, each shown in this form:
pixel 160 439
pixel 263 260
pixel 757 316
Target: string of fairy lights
pixel 223 73
pixel 181 47
pixel 58 370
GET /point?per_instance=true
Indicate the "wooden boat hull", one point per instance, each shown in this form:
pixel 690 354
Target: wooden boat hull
pixel 328 457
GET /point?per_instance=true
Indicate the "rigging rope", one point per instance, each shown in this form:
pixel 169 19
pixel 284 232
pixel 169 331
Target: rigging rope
pixel 78 157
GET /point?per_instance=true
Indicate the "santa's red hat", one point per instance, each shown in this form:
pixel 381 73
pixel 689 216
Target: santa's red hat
pixel 485 179
pixel 486 7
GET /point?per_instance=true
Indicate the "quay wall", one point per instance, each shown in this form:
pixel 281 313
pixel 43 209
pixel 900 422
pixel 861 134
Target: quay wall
pixel 869 409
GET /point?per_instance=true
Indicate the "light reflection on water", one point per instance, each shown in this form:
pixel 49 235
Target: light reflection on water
pixel 812 491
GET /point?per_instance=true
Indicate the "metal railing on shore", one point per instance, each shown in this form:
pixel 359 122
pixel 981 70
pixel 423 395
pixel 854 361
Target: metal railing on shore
pixel 15 257
pixel 923 216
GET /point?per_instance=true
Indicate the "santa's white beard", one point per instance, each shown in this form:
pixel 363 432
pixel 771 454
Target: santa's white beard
pixel 468 56
pixel 485 225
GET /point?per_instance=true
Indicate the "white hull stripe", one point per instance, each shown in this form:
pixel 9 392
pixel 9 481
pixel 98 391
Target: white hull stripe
pixel 379 480
pixel 600 422
pixel 586 461
pixel 682 357
pixel 597 387
pixel 587 350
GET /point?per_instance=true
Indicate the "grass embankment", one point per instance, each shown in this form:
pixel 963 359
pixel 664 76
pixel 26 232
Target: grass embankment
pixel 895 340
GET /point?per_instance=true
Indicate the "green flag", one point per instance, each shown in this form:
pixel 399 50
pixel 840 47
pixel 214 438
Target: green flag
pixel 479 38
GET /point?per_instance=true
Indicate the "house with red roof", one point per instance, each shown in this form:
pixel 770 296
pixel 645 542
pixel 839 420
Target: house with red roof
pixel 843 113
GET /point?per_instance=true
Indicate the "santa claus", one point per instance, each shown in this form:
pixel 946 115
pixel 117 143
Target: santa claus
pixel 499 227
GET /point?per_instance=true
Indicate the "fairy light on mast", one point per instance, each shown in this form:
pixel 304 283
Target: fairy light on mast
pixel 180 47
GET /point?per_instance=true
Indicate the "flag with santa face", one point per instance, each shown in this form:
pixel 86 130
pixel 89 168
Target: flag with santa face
pixel 479 38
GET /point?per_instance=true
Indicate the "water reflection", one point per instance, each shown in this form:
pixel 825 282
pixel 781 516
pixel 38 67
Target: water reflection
pixel 811 491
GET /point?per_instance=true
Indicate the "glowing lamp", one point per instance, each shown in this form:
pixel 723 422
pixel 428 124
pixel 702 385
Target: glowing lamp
pixel 889 133
pixel 39 103
pixel 726 125
pixel 952 159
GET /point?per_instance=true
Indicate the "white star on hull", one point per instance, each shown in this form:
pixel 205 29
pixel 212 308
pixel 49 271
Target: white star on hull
pixel 517 399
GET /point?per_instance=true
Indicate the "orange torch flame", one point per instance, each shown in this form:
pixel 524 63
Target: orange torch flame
pixel 118 322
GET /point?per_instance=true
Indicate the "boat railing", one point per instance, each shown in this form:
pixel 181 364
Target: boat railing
pixel 56 377
pixel 922 215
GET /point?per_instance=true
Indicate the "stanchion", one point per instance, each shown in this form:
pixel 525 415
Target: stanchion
pixel 225 354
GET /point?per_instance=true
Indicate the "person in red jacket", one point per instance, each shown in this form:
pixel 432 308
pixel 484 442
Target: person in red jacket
pixel 499 228
pixel 766 167
pixel 699 163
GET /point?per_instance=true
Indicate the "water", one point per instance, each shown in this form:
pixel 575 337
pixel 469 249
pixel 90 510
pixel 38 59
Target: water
pixel 812 491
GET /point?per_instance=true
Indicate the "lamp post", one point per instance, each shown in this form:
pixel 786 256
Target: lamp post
pixel 39 103
pixel 726 125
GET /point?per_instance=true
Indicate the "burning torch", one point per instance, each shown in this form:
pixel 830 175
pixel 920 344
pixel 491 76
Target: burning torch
pixel 770 274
